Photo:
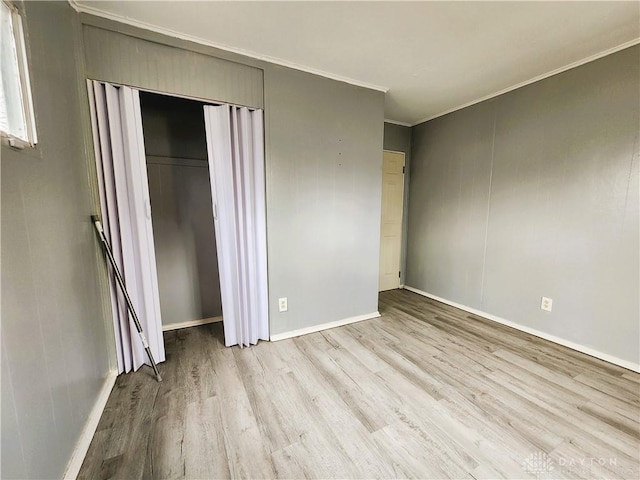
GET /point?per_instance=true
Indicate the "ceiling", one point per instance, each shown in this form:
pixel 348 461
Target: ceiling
pixel 430 57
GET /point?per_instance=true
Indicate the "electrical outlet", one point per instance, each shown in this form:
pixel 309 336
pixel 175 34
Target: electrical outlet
pixel 547 304
pixel 282 304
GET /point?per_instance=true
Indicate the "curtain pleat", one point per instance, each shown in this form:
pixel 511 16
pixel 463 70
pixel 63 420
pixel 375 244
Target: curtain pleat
pixel 236 163
pixel 126 215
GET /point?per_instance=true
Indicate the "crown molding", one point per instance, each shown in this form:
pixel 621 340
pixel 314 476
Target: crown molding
pixel 397 122
pixel 84 8
pixel 578 63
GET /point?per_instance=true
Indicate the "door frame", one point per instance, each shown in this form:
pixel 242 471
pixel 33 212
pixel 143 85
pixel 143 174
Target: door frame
pixel 405 188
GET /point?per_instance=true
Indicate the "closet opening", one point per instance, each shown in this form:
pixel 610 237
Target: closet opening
pixel 182 196
pixel 175 145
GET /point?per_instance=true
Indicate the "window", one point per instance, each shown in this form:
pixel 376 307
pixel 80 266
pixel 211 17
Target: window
pixel 16 109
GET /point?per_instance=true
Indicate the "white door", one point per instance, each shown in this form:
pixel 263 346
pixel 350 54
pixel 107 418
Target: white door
pixel 126 211
pixel 391 224
pixel 235 146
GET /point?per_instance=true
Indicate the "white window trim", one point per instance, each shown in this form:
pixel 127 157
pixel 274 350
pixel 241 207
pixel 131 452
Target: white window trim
pixel 25 84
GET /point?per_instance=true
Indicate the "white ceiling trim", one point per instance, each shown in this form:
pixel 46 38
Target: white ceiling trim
pixel 84 8
pixel 396 122
pixel 591 58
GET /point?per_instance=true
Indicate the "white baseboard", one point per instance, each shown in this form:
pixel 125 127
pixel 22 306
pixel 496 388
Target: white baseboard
pixel 552 338
pixel 82 446
pixel 323 326
pixel 190 323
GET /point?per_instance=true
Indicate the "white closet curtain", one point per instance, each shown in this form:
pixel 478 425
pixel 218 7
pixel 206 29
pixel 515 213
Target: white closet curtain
pixel 235 144
pixel 126 214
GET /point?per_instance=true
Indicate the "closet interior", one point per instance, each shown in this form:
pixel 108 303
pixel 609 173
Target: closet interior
pixel 181 210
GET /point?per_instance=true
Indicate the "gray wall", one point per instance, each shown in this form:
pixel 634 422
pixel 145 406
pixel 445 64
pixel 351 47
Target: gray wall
pixel 397 138
pixel 182 215
pixel 536 193
pixel 118 58
pixel 55 332
pixel 323 150
pixel 324 182
pixel 323 145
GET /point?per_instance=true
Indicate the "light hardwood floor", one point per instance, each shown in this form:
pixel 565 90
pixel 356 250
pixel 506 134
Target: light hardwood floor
pixel 425 391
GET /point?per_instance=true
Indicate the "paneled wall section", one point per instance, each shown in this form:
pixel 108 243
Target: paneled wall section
pixel 323 161
pixel 55 334
pixel 535 193
pixel 122 59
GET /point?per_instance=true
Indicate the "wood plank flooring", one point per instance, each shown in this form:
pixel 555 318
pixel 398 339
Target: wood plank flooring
pixel 425 391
